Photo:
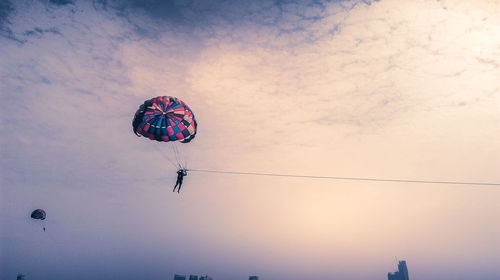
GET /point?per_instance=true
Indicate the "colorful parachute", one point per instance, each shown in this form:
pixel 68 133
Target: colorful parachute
pixel 165 118
pixel 38 214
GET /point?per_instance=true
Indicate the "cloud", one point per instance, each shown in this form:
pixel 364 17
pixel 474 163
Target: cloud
pixel 5 10
pixel 61 2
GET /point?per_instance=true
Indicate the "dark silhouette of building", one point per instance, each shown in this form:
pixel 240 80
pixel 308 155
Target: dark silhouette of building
pixel 192 277
pixel 401 274
pixel 393 276
pixel 253 278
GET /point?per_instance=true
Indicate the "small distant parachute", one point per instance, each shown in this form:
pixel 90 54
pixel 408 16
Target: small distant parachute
pixel 165 119
pixel 38 214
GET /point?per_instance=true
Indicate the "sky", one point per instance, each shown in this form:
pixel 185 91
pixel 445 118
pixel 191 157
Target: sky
pixel 393 89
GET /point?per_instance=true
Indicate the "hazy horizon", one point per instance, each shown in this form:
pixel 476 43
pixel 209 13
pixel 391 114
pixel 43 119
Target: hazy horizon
pixel 372 89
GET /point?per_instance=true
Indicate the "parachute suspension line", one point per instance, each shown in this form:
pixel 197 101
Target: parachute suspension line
pixel 181 156
pixel 174 156
pixel 185 161
pixel 346 178
pixel 177 155
pixel 184 158
pixel 162 152
pixel 172 161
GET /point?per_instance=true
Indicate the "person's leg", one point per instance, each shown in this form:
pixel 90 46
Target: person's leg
pixel 176 183
pixel 180 184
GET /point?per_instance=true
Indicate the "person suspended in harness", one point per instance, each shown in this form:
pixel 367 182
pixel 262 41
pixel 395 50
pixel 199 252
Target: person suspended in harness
pixel 180 176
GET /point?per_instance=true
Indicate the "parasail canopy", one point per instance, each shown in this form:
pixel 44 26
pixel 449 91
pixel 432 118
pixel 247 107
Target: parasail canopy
pixel 38 214
pixel 165 119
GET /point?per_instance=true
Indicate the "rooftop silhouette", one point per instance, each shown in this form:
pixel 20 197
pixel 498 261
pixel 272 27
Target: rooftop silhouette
pixel 401 274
